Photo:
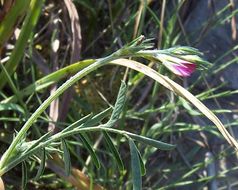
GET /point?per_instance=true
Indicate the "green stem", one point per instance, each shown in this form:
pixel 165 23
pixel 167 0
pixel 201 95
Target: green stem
pixel 5 158
pixel 50 79
pixel 57 137
pixel 100 62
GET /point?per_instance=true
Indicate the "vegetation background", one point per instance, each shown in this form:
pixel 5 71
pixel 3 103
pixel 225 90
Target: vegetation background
pixel 60 33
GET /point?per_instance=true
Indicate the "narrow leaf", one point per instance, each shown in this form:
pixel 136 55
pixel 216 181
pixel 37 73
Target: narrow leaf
pixel 24 175
pixel 50 79
pixel 11 106
pixel 41 139
pixel 97 118
pixel 42 165
pixel 113 150
pixel 66 156
pixel 87 144
pixel 142 165
pixel 158 144
pixel 77 123
pixel 135 164
pixel 18 51
pixel 10 20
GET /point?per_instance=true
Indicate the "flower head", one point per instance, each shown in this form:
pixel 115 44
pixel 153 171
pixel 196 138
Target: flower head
pixel 181 60
pixel 178 66
pixel 185 70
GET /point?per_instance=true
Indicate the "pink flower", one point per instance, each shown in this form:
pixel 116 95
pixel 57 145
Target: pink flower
pixel 177 66
pixel 183 69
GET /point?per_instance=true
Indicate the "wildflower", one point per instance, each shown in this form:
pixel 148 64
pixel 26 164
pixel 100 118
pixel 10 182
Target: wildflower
pixel 178 66
pixel 181 60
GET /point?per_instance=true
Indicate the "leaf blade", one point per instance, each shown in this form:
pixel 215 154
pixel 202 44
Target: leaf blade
pixel 135 164
pixel 120 101
pixel 113 150
pixel 66 157
pixel 24 175
pixel 158 144
pixel 42 165
pixel 85 140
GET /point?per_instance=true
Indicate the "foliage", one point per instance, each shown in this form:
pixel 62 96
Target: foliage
pixel 61 114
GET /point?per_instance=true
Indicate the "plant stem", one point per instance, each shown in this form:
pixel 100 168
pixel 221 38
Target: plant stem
pixel 5 158
pixel 57 137
pixel 20 135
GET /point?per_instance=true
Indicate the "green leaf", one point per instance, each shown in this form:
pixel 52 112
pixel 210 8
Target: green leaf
pixel 24 175
pixel 66 156
pixel 42 165
pixel 50 79
pixel 77 123
pixel 10 20
pixel 34 143
pixel 11 106
pixel 29 23
pixel 97 118
pixel 114 150
pixel 136 45
pixel 136 166
pixel 121 98
pixel 142 165
pixel 87 144
pixel 158 144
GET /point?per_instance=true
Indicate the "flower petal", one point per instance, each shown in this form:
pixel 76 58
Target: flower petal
pixel 184 69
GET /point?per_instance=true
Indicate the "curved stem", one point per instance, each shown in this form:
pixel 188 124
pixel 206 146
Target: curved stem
pixel 100 62
pixel 166 82
pixel 46 103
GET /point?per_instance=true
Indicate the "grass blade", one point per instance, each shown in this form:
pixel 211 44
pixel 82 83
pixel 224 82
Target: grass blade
pixel 8 23
pixel 29 24
pixel 11 106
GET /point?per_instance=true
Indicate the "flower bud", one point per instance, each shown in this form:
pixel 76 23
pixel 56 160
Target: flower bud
pixel 178 66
